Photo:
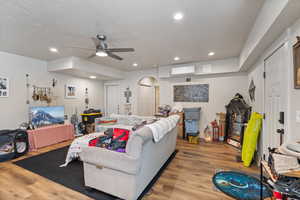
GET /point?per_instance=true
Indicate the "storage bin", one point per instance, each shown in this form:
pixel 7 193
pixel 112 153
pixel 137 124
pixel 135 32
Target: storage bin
pixel 192 113
pixel 191 126
pixel 194 139
pixel 193 134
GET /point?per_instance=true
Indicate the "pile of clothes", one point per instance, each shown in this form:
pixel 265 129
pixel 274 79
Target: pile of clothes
pixel 113 139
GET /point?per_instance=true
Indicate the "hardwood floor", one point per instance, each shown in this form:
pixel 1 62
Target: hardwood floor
pixel 188 177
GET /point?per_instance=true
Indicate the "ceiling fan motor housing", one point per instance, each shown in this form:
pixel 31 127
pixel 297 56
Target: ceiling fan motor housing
pixel 101 37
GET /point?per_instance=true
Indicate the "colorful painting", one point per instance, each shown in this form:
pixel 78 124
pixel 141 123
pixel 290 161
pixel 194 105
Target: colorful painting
pixel 44 116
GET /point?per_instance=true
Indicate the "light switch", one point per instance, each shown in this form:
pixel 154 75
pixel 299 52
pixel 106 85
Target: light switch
pixel 298 116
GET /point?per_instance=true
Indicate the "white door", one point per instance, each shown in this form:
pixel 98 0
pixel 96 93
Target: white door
pixel 112 99
pixel 275 99
pixel 146 101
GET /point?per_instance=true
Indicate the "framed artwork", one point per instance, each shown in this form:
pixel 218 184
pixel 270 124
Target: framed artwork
pixel 4 87
pixel 71 91
pixel 297 63
pixel 191 93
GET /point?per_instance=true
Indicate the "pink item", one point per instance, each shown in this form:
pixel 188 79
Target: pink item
pixel 46 136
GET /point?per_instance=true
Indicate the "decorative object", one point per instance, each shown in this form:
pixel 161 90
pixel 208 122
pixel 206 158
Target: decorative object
pixel 71 91
pixel 4 87
pixel 237 115
pixel 191 93
pixel 128 108
pixel 42 94
pixel 127 95
pixel 297 63
pixel 43 116
pixel 86 100
pixel 251 90
pixel 27 89
pixel 54 82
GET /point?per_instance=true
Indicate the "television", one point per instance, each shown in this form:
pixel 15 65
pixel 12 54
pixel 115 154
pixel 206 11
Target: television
pixel 45 116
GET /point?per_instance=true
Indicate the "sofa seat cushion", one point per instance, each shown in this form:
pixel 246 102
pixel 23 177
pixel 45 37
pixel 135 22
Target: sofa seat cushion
pixel 102 157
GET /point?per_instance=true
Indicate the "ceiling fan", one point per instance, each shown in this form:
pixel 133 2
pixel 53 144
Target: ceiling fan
pixel 102 49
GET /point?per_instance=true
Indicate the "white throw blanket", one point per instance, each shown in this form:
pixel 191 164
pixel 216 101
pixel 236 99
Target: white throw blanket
pixel 76 146
pixel 163 126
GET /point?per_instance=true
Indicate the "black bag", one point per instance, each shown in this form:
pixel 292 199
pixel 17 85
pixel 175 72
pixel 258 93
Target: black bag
pixel 13 144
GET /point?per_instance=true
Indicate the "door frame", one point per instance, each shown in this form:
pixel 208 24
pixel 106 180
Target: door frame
pixel 281 45
pixel 106 85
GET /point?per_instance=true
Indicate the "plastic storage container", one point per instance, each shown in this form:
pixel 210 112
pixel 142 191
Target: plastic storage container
pixel 192 113
pixel 191 126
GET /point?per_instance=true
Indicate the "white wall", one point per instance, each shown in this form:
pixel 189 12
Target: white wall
pixel 14 110
pixel 288 38
pixel 222 89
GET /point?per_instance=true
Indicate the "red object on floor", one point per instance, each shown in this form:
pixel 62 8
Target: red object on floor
pixel 49 135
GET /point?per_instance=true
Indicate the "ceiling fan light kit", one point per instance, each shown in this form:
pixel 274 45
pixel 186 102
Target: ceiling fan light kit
pixel 101 54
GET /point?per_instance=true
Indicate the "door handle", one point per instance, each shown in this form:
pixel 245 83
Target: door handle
pixel 280 131
pixel 281 118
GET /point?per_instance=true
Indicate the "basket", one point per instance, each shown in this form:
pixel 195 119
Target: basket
pixel 194 139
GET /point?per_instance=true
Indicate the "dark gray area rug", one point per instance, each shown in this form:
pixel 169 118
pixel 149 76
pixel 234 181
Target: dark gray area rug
pixel 47 165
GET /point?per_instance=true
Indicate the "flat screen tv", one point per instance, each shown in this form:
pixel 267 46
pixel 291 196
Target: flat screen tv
pixel 45 116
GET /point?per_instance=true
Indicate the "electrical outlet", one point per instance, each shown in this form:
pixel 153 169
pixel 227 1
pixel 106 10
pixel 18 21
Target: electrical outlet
pixel 298 116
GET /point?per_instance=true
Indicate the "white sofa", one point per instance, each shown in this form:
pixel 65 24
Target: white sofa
pixel 126 175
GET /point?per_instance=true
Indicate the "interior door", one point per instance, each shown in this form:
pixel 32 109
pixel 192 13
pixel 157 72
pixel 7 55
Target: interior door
pixel 112 99
pixel 275 99
pixel 146 101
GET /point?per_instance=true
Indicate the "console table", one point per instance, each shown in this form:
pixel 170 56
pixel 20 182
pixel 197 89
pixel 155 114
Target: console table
pixel 49 135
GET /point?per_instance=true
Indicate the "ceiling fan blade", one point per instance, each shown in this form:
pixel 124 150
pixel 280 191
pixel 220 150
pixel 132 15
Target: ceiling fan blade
pixel 114 56
pixel 120 50
pixel 91 56
pixel 82 48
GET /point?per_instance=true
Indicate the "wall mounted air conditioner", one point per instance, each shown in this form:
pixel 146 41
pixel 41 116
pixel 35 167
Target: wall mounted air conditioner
pixel 183 70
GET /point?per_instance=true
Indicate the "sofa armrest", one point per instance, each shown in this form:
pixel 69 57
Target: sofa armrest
pixel 103 158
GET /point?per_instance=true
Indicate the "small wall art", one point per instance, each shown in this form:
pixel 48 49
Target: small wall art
pixel 4 87
pixel 71 91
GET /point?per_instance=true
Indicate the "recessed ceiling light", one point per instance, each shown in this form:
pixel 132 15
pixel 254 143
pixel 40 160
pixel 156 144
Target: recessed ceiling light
pixel 211 53
pixel 101 53
pixel 93 77
pixel 135 64
pixel 53 50
pixel 178 16
pixel 176 58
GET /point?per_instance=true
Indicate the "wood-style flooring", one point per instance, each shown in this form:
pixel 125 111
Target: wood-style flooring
pixel 188 177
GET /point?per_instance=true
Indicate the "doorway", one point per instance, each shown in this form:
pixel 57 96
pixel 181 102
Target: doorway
pixel 275 100
pixel 148 96
pixel 112 103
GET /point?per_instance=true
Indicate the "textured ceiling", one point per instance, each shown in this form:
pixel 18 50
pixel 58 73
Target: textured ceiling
pixel 30 27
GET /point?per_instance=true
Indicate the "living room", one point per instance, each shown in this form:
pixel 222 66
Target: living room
pixel 149 99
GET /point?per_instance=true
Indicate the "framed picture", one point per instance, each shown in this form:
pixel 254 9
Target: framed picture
pixel 71 91
pixel 191 93
pixel 297 63
pixel 4 87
